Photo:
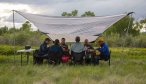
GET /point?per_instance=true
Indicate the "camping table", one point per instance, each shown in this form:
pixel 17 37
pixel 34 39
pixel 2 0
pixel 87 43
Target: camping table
pixel 27 53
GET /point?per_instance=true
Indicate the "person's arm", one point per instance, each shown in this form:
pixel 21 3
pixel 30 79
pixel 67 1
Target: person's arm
pixel 102 49
pixel 71 48
pixel 83 48
pixel 61 50
pixel 44 48
pixel 67 48
pixel 41 47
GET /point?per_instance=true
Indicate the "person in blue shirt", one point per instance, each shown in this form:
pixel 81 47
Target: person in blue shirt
pixel 55 53
pixel 103 51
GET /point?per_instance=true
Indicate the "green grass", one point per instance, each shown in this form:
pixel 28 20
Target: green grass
pixel 128 66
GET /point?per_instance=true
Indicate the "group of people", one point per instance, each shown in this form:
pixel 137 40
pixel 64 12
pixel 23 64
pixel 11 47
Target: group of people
pixel 78 53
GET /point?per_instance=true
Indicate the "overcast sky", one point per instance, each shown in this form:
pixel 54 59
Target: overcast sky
pixel 56 7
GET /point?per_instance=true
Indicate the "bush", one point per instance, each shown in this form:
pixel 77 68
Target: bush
pixel 126 41
pixel 23 38
pixel 8 49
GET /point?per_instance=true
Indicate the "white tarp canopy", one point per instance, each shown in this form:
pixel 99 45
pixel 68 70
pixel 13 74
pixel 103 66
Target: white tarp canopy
pixel 71 38
pixel 69 27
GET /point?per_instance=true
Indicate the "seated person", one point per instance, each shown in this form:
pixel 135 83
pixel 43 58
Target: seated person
pixel 66 55
pixel 77 51
pixel 44 47
pixel 64 47
pixel 88 52
pixel 43 51
pixel 103 51
pixel 55 53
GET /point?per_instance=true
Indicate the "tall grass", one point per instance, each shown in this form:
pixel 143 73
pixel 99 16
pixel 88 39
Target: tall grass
pixel 128 66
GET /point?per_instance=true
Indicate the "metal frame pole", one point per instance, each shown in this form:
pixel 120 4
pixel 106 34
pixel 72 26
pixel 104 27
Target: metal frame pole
pixel 129 24
pixel 14 43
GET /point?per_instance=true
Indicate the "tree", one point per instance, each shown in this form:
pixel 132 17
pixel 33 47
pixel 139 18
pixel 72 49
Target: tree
pixel 143 21
pixel 26 26
pixel 64 14
pixel 140 23
pixel 3 30
pixel 123 27
pixel 73 13
pixel 88 13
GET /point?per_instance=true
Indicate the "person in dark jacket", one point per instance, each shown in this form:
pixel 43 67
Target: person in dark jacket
pixel 103 51
pixel 43 51
pixel 55 53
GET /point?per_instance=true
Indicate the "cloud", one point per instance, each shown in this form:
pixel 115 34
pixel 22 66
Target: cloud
pixel 56 7
pixel 6 14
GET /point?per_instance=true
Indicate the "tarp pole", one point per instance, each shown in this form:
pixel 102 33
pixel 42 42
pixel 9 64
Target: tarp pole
pixel 14 43
pixel 130 15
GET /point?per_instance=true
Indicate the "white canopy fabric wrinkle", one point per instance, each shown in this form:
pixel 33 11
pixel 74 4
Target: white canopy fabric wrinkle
pixel 70 27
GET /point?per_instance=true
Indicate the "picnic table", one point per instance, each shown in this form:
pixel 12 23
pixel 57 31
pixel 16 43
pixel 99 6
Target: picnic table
pixel 27 51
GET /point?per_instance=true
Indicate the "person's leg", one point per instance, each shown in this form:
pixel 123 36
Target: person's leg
pixel 58 59
pixel 40 60
pixel 96 60
pixel 92 60
pixel 75 59
pixel 81 59
pixel 87 60
pixel 103 57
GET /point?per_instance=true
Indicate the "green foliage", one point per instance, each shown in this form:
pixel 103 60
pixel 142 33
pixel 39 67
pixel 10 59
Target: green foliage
pixel 22 36
pixel 124 27
pixel 13 30
pixel 3 30
pixel 139 24
pixel 8 49
pixel 64 14
pixel 143 21
pixel 88 13
pixel 116 40
pixel 73 13
pixel 26 26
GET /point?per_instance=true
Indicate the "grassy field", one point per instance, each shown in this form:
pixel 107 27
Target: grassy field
pixel 128 66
